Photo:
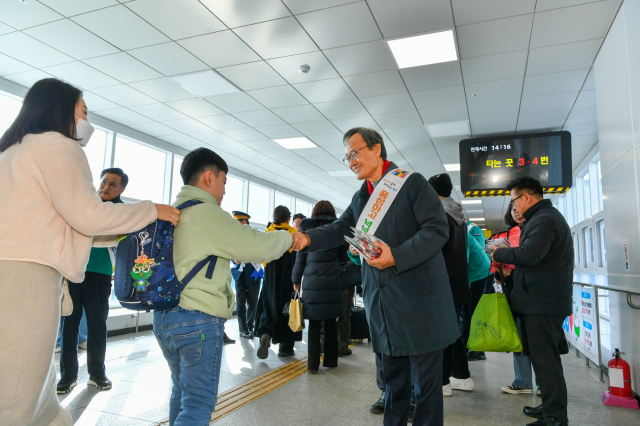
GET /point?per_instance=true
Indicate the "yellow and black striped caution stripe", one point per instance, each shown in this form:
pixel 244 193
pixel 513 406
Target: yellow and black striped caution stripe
pixel 238 397
pixel 504 192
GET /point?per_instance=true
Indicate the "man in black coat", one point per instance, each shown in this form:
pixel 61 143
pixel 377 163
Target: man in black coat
pixel 456 373
pixel 542 292
pixel 406 290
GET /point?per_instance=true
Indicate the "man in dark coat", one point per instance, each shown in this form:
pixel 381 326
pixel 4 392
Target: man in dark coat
pixel 542 292
pixel 456 373
pixel 247 288
pixel 406 290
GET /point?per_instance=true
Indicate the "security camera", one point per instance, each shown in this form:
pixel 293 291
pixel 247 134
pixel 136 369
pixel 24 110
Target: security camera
pixel 304 69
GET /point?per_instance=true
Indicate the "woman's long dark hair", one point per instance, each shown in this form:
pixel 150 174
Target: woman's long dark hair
pixel 48 107
pixel 323 208
pixel 281 214
pixel 508 219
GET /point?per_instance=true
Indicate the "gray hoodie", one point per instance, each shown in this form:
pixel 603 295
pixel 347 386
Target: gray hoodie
pixel 454 209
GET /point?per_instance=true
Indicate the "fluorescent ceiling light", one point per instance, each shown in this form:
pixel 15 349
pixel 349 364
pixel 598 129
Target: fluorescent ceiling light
pixel 295 143
pixel 205 83
pixel 424 49
pixel 477 219
pixel 341 173
pixel 452 167
pixel 456 128
pixel 471 201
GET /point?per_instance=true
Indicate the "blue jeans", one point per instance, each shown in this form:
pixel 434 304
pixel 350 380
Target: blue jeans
pixel 191 342
pixel 82 335
pixel 522 366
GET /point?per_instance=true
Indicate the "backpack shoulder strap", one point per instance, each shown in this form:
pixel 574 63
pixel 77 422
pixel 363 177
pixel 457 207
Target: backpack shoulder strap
pixel 211 260
pixel 189 204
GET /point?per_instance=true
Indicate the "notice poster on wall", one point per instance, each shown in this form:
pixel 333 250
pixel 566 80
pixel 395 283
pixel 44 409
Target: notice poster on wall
pixel 581 327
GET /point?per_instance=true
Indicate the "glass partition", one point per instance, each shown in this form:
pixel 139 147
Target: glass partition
pixel 259 204
pixel 145 167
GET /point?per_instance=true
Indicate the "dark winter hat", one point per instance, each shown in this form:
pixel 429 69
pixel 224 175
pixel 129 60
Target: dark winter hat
pixel 442 184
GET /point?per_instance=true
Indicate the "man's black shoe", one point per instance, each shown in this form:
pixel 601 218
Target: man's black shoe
pixel 101 383
pixel 378 407
pixel 345 353
pixel 548 421
pixel 227 340
pixel 65 386
pixel 472 356
pixel 286 354
pixel 246 335
pixel 535 412
pixel 263 349
pixel 482 356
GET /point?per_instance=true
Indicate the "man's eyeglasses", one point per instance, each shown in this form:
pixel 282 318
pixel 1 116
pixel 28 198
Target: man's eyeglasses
pixel 512 202
pixel 111 184
pixel 353 155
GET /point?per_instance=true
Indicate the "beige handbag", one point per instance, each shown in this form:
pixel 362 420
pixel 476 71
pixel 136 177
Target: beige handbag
pixel 296 322
pixel 66 304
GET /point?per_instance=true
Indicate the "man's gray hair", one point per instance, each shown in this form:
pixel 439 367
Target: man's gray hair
pixel 370 137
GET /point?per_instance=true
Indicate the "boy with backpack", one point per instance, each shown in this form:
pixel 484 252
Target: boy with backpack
pixel 191 334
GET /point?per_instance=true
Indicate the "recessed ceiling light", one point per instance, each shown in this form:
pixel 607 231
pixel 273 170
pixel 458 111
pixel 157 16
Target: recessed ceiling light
pixel 295 143
pixel 471 201
pixel 424 49
pixel 452 167
pixel 477 219
pixel 341 173
pixel 205 83
pixel 456 128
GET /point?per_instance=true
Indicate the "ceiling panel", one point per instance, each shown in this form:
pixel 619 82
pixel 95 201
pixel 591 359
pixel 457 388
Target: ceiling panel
pixel 27 78
pixel 220 49
pixel 182 140
pixel 562 102
pixel 155 129
pixel 162 89
pixel 579 129
pixel 468 12
pixel 259 118
pixel 71 39
pixel 432 76
pixel 584 140
pixel 566 25
pixel 401 133
pixel 325 90
pixel 96 103
pixel 542 122
pixel 223 122
pixel 494 67
pixel 81 75
pixel 274 39
pixel 235 102
pixel 486 110
pixel 313 128
pixel 335 27
pixel 546 84
pixel 281 131
pixel 288 67
pixel 342 109
pixel 386 104
pixel 582 115
pixel 329 140
pixel 216 139
pixel 123 67
pixel 376 84
pixel 24 15
pixel 76 7
pixel 491 37
pixel 499 125
pixel 124 95
pixel 169 59
pixel 276 97
pixel 256 75
pixel 187 125
pixel 31 51
pixel 120 27
pixel 564 57
pixel 11 66
pixel 411 16
pixel 490 91
pixel 125 116
pixel 398 119
pixel 372 57
pixel 586 99
pixel 246 12
pixel 242 135
pixel 5 29
pixel 158 112
pixel 345 124
pixel 444 114
pixel 436 98
pixel 300 113
pixel 177 18
pixel 196 107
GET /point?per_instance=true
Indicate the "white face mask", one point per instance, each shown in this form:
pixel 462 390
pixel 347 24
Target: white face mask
pixel 84 130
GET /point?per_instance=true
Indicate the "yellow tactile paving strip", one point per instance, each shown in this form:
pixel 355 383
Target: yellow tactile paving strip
pixel 242 395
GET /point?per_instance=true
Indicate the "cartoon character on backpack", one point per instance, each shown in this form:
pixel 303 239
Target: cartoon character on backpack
pixel 141 272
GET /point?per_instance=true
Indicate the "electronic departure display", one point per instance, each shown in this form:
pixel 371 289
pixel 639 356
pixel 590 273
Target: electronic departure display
pixel 487 164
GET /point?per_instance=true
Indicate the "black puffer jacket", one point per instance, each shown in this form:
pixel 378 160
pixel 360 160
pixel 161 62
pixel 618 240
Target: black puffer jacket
pixel 322 288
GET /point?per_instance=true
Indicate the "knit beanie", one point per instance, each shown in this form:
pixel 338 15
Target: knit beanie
pixel 442 184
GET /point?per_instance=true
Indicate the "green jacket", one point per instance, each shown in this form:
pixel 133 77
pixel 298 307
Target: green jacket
pixel 100 260
pixel 206 229
pixel 478 261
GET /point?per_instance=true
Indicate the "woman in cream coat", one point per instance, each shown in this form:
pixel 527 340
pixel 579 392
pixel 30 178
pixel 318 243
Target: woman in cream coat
pixel 49 213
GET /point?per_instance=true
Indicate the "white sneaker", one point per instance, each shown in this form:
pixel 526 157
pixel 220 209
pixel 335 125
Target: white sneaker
pixel 446 390
pixel 82 345
pixel 57 349
pixel 516 390
pixel 461 384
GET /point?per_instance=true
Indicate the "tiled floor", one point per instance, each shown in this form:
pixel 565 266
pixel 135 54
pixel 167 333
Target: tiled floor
pixel 339 396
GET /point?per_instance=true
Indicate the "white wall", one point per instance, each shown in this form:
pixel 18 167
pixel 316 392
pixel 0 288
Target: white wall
pixel 617 80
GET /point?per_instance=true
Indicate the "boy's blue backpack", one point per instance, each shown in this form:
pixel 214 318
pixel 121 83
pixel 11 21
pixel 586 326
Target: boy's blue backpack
pixel 145 276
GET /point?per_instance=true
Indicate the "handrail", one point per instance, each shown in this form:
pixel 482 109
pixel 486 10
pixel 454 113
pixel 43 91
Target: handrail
pixel 616 289
pixel 630 302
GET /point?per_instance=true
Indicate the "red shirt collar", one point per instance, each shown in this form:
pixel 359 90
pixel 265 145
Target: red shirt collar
pixel 387 163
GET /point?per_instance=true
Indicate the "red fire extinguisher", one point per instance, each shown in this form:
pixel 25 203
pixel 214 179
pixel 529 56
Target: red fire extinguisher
pixel 619 376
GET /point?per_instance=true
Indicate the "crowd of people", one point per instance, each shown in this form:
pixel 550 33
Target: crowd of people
pixel 57 233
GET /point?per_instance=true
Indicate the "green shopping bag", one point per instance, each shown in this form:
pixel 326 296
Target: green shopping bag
pixel 492 326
